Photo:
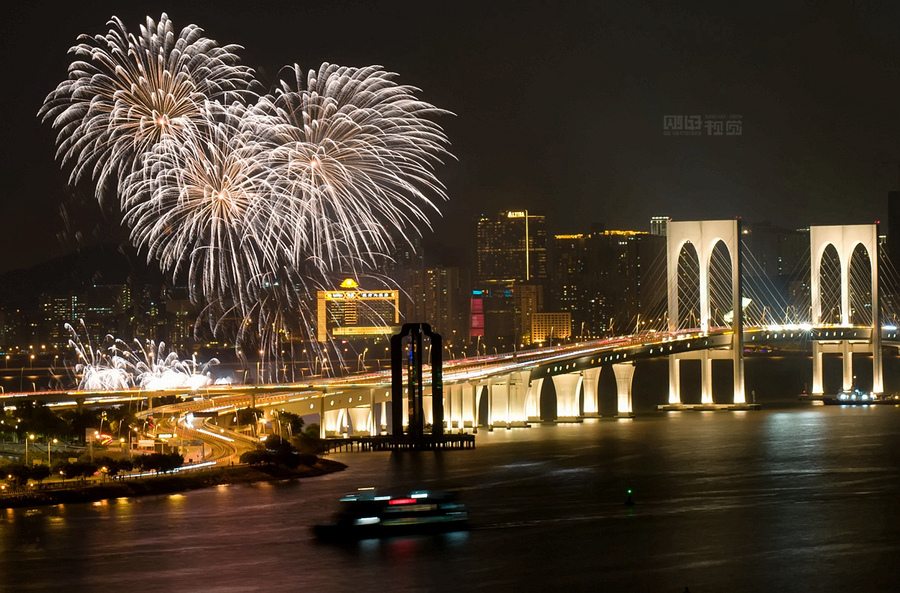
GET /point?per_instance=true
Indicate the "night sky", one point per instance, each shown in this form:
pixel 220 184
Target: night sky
pixel 559 107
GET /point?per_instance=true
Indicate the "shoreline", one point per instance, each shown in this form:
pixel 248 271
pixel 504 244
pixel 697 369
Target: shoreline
pixel 169 483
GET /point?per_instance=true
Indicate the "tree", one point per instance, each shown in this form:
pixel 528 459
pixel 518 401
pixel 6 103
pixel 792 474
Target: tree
pixel 292 422
pixel 79 469
pixel 40 473
pixel 115 466
pixel 159 462
pixel 257 457
pixel 19 474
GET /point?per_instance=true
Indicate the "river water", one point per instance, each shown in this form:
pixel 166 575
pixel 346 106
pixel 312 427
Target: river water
pixel 794 497
pixel 785 499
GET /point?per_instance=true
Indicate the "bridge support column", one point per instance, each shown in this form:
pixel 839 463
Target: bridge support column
pixel 591 381
pixel 332 421
pixel 567 395
pixel 624 372
pixel 454 406
pixel 847 360
pixel 499 390
pixel 674 380
pixel 533 400
pixel 518 397
pixel 818 387
pixel 469 415
pixel 481 392
pixel 706 395
pixel 360 418
pixel 372 426
pixel 877 368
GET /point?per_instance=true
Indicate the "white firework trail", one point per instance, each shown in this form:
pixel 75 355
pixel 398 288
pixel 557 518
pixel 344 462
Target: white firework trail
pixel 254 205
pixel 127 92
pixel 115 366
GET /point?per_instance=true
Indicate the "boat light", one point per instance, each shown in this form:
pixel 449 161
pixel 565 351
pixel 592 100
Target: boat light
pixel 403 501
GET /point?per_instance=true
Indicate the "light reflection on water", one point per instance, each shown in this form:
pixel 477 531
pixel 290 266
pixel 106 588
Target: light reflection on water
pixel 788 499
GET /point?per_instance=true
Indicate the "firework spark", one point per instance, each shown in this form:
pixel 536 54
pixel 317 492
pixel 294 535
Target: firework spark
pixel 115 367
pixel 125 93
pixel 253 201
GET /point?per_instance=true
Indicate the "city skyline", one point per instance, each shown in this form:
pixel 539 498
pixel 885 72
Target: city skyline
pixel 569 112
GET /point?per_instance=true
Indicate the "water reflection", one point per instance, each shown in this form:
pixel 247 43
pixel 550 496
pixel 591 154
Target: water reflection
pixel 723 501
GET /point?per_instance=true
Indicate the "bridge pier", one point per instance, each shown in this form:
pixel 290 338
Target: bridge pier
pixel 818 387
pixel 705 236
pixel 499 390
pixel 847 359
pixel 845 239
pixel 706 394
pixel 454 405
pixel 624 372
pixel 567 387
pixel 533 399
pixel 591 380
pixel 674 380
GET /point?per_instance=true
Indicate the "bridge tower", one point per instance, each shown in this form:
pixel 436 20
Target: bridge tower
pixel 845 239
pixel 704 236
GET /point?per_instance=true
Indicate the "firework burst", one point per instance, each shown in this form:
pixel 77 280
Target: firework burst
pixel 125 93
pixel 253 201
pixel 351 156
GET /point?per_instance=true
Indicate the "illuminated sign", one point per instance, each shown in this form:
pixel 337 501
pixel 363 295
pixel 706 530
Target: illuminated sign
pixel 516 214
pixel 361 295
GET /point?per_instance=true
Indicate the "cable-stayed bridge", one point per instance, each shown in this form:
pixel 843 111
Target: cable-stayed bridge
pixel 717 304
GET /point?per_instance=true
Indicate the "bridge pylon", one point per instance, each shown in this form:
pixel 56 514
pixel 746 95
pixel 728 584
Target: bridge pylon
pixel 844 239
pixel 705 235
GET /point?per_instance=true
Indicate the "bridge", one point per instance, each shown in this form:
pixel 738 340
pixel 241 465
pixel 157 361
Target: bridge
pixel 505 390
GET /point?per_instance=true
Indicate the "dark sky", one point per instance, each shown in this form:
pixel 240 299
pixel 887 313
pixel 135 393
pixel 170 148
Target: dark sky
pixel 559 107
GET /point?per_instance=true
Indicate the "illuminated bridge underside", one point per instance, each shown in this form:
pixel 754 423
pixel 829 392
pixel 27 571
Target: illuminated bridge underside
pixel 510 385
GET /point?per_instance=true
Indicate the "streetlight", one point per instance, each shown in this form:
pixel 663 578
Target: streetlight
pixel 48 450
pixel 30 438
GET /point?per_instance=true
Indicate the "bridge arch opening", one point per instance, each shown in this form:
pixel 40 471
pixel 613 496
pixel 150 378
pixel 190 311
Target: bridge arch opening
pixel 830 283
pixel 688 287
pixel 860 274
pixel 720 289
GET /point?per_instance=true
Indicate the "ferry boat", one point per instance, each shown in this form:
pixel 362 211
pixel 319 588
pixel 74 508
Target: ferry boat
pixel 366 514
pixel 855 397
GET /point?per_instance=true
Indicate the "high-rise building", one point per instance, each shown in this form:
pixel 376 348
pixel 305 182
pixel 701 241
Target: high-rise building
pixel 58 310
pixel 659 226
pixel 512 247
pixel 447 293
pixel 511 260
pixel 606 279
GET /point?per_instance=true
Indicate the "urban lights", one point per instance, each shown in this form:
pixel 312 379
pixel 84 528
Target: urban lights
pixel 30 438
